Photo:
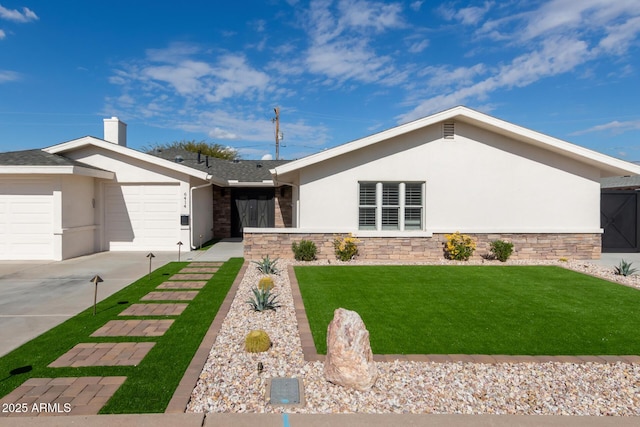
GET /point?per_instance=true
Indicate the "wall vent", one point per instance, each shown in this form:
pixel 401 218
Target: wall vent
pixel 448 130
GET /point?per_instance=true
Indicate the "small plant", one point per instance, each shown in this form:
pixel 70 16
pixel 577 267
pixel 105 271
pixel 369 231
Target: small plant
pixel 265 284
pixel 501 250
pixel 346 248
pixel 263 300
pixel 304 251
pixel 257 341
pixel 624 269
pixel 563 259
pixel 267 266
pixel 459 247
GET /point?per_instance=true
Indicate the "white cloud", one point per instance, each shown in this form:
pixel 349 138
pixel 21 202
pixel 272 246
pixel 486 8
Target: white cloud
pixel 416 5
pixel 614 127
pixel 340 40
pixel 554 38
pixel 365 14
pixel 556 56
pixel 473 14
pixel 15 15
pixel 418 47
pixel 8 76
pixel 2 34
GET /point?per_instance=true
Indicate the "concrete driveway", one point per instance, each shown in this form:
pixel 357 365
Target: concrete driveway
pixel 36 296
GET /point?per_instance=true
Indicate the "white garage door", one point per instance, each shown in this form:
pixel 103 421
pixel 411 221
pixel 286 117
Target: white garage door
pixel 142 217
pixel 26 220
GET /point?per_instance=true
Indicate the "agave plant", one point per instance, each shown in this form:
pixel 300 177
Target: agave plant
pixel 263 300
pixel 624 268
pixel 267 266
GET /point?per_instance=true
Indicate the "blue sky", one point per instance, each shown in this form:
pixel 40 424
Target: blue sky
pixel 338 70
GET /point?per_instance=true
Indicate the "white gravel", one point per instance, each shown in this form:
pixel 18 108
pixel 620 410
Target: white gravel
pixel 230 382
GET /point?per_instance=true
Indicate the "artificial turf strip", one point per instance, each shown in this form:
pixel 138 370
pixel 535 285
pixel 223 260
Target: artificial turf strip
pixel 150 385
pixel 511 310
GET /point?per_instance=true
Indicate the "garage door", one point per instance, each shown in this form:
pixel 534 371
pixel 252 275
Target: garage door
pixel 26 220
pixel 142 217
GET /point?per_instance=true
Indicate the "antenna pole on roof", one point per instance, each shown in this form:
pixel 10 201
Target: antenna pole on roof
pixel 277 121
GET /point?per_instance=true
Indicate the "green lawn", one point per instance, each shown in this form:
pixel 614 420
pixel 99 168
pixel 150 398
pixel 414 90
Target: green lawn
pixel 526 310
pixel 150 385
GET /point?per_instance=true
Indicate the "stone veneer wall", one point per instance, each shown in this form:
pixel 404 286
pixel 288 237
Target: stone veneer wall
pixel 221 212
pixel 533 246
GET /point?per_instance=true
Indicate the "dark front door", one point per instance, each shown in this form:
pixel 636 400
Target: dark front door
pixel 619 219
pixel 251 208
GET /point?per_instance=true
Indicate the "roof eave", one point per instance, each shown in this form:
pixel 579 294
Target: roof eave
pixel 608 165
pixel 89 140
pixel 55 170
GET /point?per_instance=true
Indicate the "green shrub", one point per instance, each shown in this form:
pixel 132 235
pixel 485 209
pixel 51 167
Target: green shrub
pixel 267 266
pixel 265 284
pixel 459 247
pixel 346 248
pixel 257 341
pixel 501 250
pixel 624 269
pixel 263 300
pixel 304 251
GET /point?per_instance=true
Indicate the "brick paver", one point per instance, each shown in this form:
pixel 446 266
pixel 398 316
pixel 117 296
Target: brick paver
pixel 198 270
pixel 192 276
pixel 154 309
pixel 182 285
pixel 104 354
pixel 206 264
pixel 134 328
pixel 60 396
pixel 170 296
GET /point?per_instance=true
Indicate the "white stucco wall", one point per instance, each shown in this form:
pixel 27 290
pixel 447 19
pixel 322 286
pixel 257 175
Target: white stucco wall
pixel 78 216
pixel 131 171
pixel 477 182
pixel 202 217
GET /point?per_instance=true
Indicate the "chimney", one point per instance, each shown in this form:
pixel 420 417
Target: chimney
pixel 115 131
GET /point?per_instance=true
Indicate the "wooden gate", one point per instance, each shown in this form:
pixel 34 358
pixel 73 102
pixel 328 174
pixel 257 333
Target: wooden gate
pixel 252 208
pixel 619 218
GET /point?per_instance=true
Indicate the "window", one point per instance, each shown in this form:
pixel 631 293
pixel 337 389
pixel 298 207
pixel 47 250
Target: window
pixel 367 216
pixel 390 206
pixel 413 206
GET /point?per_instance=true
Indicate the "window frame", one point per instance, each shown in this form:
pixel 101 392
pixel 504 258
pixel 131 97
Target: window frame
pixel 386 202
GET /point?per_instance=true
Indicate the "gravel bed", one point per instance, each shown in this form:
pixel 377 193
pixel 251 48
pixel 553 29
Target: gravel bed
pixel 230 381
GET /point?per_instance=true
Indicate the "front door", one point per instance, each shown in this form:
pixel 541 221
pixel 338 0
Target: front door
pixel 252 208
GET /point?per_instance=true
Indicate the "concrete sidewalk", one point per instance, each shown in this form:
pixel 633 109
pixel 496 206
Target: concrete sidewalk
pixel 320 420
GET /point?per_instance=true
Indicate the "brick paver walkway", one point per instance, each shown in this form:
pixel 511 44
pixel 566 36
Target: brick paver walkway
pixel 87 395
pixel 154 310
pixel 104 354
pixel 182 285
pixel 192 276
pixel 170 296
pixel 134 328
pixel 60 396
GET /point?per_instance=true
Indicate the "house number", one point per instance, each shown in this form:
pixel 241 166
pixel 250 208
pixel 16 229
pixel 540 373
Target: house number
pixel 185 200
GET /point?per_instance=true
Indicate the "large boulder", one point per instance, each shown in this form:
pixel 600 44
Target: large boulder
pixel 349 360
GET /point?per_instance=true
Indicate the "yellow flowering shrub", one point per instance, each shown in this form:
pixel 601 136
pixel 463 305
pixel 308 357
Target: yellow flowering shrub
pixel 346 248
pixel 459 247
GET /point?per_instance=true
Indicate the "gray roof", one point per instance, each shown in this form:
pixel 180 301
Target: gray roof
pixel 38 158
pixel 621 182
pixel 240 170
